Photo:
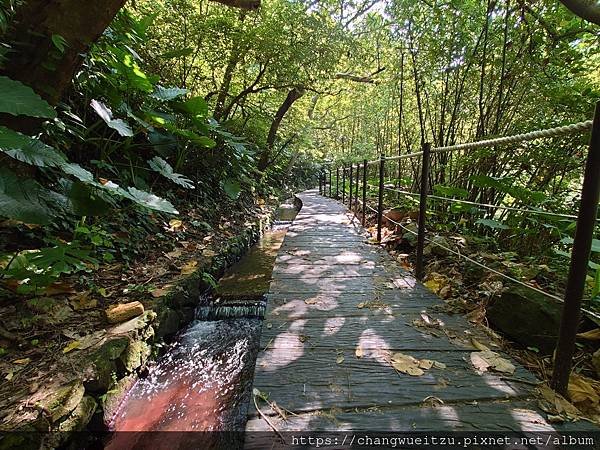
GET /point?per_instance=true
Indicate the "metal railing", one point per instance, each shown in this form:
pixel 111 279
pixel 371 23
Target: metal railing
pixel 584 234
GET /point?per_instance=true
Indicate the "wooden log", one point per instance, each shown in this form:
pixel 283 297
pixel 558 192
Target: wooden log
pixel 124 311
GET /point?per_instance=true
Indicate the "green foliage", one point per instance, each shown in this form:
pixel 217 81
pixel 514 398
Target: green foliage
pixel 161 166
pixel 22 199
pixel 493 224
pixel 17 99
pixel 29 150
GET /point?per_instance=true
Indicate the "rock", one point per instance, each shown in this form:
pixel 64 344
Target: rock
pixel 124 311
pixel 433 249
pixel 135 355
pixel 80 416
pixel 113 398
pixel 169 322
pixel 101 367
pixel 527 317
pixel 134 327
pixel 63 400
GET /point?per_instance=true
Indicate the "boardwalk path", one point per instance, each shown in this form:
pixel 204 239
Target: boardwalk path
pixel 333 292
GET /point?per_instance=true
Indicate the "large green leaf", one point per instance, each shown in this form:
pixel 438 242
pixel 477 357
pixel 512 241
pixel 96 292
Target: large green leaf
pixel 29 150
pixel 18 99
pixel 151 201
pixel 166 94
pixel 78 172
pixel 595 243
pixel 164 168
pixel 232 188
pixel 493 224
pixel 106 114
pixel 22 199
pixel 450 191
pixel 195 107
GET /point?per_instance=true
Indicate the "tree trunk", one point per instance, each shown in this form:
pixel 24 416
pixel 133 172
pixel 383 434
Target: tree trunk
pixel 291 97
pixel 36 60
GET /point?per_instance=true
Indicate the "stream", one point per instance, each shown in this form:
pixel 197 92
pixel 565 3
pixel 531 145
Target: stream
pixel 202 386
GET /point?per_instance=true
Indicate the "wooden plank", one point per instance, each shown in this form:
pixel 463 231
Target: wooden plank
pixel 489 416
pixel 307 381
pixel 367 269
pixel 369 331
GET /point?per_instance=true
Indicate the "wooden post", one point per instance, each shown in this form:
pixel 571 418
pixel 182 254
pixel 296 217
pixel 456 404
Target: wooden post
pixel 343 184
pixel 584 233
pixel 356 189
pixel 380 197
pixel 329 181
pixel 364 193
pixel 419 269
pixel 337 183
pixel 350 194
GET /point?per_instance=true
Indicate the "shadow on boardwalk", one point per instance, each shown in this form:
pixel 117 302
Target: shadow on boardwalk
pixel 332 293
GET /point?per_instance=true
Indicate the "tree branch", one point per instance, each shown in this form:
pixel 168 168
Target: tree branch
pixel 358 78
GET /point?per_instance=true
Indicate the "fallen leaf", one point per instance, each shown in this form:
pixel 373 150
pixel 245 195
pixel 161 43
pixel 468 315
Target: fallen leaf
pixel 9 376
pixel 487 359
pixel 160 292
pixel 592 335
pixel 71 346
pixel 359 352
pixel 22 362
pixel 581 390
pixel 555 404
pixel 60 287
pixel 209 253
pixel 406 364
pixel 339 359
pixel 311 301
pixel 174 254
pixel 361 305
pixel 439 365
pixel 425 364
pixel 175 224
pixel 83 301
pixel 478 345
pixel 189 267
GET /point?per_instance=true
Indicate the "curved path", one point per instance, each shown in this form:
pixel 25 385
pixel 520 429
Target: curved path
pixel 338 308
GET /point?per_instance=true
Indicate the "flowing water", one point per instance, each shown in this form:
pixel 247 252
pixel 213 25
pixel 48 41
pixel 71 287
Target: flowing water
pixel 204 382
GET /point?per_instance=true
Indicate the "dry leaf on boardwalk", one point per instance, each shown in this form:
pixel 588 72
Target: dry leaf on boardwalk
pixel 359 352
pixel 413 366
pixel 484 360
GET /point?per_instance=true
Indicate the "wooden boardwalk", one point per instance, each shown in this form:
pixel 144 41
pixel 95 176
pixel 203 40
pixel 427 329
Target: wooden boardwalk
pixel 338 307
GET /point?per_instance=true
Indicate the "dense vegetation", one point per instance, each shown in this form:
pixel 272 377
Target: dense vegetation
pixel 120 121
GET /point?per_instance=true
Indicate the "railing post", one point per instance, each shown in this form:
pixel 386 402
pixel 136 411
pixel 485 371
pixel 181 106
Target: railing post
pixel 343 184
pixel 350 194
pixel 419 269
pixel 364 193
pixel 337 183
pixel 380 198
pixel 356 189
pixel 584 233
pixel 320 182
pixel 329 181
